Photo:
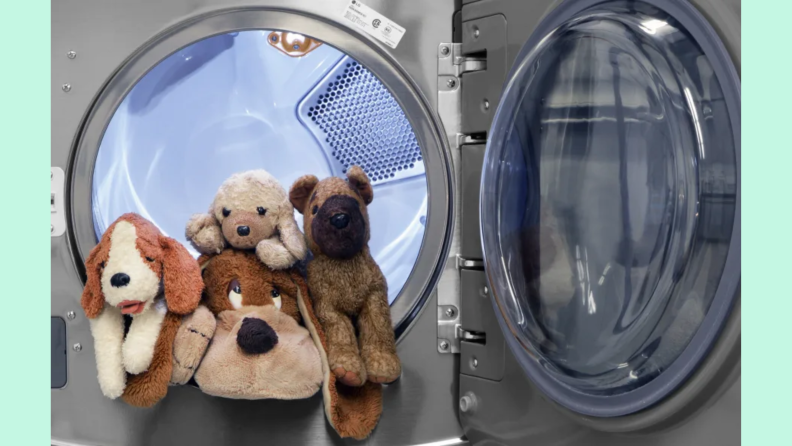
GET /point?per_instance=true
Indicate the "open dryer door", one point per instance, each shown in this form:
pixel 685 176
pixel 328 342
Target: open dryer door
pixel 610 220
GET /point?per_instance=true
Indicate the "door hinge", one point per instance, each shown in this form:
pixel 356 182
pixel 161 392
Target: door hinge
pixel 449 327
pixel 451 67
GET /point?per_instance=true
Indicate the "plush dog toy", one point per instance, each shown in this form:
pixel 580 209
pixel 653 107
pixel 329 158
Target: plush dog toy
pixel 137 271
pixel 250 210
pixel 259 350
pixel 345 281
pixel 255 348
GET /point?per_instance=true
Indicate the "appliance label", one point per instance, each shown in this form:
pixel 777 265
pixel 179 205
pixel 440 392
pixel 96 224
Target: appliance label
pixel 373 23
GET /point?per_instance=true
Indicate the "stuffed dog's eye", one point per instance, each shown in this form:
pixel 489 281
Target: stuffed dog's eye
pixel 226 212
pixel 261 210
pixel 102 264
pixel 276 297
pixel 149 259
pixel 235 293
pixel 315 210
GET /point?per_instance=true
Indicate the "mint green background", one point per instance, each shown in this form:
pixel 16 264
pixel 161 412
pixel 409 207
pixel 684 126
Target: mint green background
pixel 25 89
pixel 767 223
pixel 24 259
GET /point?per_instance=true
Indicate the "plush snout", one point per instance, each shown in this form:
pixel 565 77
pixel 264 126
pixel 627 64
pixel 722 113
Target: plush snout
pixel 338 227
pixel 244 230
pixel 256 336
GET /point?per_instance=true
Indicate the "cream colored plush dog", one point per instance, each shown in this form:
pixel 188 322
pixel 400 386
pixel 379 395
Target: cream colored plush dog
pixel 251 210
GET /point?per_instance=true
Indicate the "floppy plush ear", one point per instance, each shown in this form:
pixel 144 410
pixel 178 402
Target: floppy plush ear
pixel 301 191
pixel 360 182
pixel 205 233
pixel 290 234
pixel 93 299
pixel 182 277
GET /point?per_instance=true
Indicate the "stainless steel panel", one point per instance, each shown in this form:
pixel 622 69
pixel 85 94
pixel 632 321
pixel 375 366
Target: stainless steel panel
pixel 103 35
pixel 471 158
pixel 514 412
pixel 482 360
pixel 482 90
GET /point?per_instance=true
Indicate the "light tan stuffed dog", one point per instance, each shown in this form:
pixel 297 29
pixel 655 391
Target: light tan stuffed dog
pixel 251 210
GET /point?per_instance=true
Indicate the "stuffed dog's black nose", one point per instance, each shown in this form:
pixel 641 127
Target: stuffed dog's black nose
pixel 119 279
pixel 340 221
pixel 256 336
pixel 243 230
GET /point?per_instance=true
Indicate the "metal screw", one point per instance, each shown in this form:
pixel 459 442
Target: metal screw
pixel 468 403
pixel 66 88
pixel 474 363
pixel 451 83
pixel 444 345
pixel 450 312
pixel 77 347
pixel 52 228
pixel 444 51
pixel 485 291
pixel 71 54
pixel 486 104
pixel 71 315
pixel 476 33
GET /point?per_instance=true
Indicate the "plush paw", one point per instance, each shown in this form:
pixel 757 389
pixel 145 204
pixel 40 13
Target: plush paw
pixel 382 368
pixel 273 254
pixel 190 344
pixel 113 386
pixel 205 234
pixel 347 367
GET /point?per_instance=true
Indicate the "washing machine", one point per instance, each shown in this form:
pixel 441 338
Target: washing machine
pixel 556 211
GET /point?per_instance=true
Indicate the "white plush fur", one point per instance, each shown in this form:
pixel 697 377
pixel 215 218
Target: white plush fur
pixel 116 356
pixel 108 334
pixel 138 349
pixel 124 257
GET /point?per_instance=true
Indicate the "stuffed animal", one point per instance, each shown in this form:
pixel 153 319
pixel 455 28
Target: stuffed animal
pixel 250 211
pixel 136 271
pixel 255 349
pixel 258 349
pixel 345 281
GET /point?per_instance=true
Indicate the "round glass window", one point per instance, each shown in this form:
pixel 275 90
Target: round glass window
pixel 269 100
pixel 608 204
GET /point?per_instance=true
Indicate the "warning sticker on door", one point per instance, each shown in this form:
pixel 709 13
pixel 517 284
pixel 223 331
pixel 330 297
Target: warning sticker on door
pixel 374 23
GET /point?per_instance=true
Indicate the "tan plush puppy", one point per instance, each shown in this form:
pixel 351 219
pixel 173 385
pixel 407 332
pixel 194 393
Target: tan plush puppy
pixel 250 211
pixel 345 281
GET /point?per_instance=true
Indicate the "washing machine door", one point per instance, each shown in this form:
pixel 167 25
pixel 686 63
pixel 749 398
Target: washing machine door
pixel 610 212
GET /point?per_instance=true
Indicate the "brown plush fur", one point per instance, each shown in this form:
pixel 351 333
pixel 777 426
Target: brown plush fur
pixel 250 211
pixel 352 411
pixel 257 350
pixel 180 277
pixel 345 281
pixel 147 388
pixel 255 279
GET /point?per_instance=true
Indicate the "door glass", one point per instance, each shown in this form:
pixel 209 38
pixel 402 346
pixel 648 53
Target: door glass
pixel 607 204
pixel 261 100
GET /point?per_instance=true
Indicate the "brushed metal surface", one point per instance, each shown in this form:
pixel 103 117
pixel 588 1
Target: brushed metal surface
pixel 420 408
pixel 511 411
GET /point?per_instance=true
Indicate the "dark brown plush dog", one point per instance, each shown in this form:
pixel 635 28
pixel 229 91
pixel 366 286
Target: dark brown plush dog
pixel 345 281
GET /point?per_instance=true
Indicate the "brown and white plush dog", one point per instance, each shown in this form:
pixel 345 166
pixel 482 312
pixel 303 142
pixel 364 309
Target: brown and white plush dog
pixel 250 211
pixel 346 283
pixel 135 270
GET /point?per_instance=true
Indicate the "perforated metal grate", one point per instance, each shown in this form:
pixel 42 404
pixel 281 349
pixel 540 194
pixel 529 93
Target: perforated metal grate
pixel 357 121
